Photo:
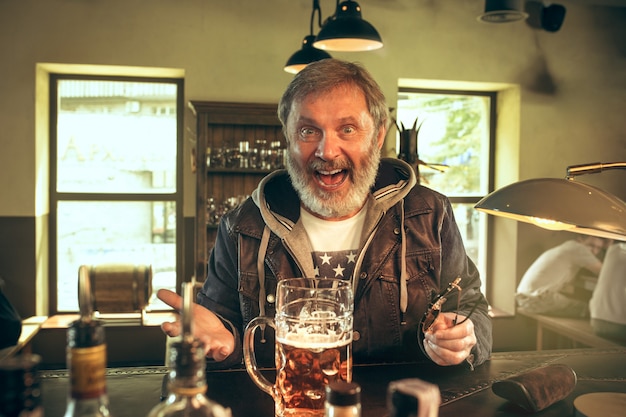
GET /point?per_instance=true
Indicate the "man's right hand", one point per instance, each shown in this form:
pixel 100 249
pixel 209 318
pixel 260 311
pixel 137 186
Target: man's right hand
pixel 219 343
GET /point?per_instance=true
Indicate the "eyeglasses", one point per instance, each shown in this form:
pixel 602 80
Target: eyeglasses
pixel 435 307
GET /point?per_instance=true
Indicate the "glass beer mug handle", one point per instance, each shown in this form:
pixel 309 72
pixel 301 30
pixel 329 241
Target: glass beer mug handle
pixel 249 356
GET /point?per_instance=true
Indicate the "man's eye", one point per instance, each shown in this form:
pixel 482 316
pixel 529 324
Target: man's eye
pixel 308 133
pixel 348 130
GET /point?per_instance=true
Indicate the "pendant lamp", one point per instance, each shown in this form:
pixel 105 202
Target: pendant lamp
pixel 347 31
pixel 308 53
pixel 503 11
pixel 562 204
pixel 305 56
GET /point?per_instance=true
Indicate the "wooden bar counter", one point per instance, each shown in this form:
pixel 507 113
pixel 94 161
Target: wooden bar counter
pixel 134 391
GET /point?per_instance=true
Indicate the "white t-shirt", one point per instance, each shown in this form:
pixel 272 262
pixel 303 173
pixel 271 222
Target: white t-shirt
pixel 608 301
pixel 335 243
pixel 556 267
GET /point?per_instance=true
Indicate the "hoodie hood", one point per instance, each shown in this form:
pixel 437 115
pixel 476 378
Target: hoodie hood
pixel 280 206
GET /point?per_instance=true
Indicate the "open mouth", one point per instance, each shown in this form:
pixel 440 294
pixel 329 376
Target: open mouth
pixel 331 179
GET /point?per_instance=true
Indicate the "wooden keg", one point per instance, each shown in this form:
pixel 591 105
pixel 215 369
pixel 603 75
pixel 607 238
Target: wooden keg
pixel 118 288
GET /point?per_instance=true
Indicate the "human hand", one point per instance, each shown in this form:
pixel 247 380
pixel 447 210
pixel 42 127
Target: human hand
pixel 448 343
pixel 207 327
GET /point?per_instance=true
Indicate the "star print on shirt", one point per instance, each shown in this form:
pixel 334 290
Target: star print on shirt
pixel 339 271
pixel 351 257
pixel 325 259
pixel 339 264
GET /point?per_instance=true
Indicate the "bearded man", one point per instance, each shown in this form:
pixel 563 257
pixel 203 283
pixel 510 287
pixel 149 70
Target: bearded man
pixel 339 210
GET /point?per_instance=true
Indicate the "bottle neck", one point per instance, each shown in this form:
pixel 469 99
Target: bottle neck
pixel 186 376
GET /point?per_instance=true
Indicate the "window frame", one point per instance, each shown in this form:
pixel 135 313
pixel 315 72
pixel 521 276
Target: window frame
pixel 55 197
pixel 487 231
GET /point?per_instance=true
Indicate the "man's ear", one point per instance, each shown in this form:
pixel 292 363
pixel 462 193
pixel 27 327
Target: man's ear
pixel 382 132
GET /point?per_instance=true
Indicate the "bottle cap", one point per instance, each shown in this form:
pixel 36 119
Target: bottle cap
pixel 84 333
pixel 343 393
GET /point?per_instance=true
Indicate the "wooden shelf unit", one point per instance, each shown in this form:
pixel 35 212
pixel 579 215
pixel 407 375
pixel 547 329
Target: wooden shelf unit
pixel 219 124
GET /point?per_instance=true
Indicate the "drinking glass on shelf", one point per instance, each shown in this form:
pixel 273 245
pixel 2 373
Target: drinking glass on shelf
pixel 210 155
pixel 215 210
pixel 242 156
pixel 231 156
pixel 258 154
pixel 215 157
pixel 211 210
pixel 277 158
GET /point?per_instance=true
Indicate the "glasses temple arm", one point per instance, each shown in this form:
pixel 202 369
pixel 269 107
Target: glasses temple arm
pixel 455 322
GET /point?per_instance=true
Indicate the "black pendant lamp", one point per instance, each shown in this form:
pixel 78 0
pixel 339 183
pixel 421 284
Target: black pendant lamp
pixel 347 31
pixel 503 11
pixel 308 53
pixel 305 56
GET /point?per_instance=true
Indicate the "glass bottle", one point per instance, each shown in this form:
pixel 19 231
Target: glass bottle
pixel 20 391
pixel 343 399
pixel 86 362
pixel 86 356
pixel 186 384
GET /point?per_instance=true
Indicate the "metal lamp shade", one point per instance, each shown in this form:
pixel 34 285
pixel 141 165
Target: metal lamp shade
pixel 347 31
pixel 560 204
pixel 305 56
pixel 503 11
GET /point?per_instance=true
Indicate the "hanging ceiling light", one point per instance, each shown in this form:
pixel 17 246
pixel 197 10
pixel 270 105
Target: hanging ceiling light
pixel 308 53
pixel 305 56
pixel 562 204
pixel 503 11
pixel 347 31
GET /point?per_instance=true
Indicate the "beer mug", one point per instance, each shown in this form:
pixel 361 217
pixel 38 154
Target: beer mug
pixel 313 331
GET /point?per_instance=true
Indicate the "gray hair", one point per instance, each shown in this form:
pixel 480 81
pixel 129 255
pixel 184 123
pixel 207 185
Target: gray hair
pixel 323 76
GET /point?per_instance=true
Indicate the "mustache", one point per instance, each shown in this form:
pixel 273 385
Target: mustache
pixel 321 165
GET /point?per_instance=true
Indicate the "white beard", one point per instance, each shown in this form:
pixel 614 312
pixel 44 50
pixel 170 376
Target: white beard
pixel 329 204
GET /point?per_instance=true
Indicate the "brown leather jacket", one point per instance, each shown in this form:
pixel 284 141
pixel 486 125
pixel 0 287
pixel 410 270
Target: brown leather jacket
pixel 410 249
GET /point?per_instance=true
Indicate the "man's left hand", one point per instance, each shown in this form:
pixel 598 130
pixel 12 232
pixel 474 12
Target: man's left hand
pixel 447 343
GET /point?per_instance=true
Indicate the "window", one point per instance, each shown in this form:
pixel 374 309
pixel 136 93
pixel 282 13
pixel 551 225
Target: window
pixel 116 179
pixel 455 141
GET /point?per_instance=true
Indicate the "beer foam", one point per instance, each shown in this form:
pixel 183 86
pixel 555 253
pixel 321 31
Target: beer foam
pixel 315 341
